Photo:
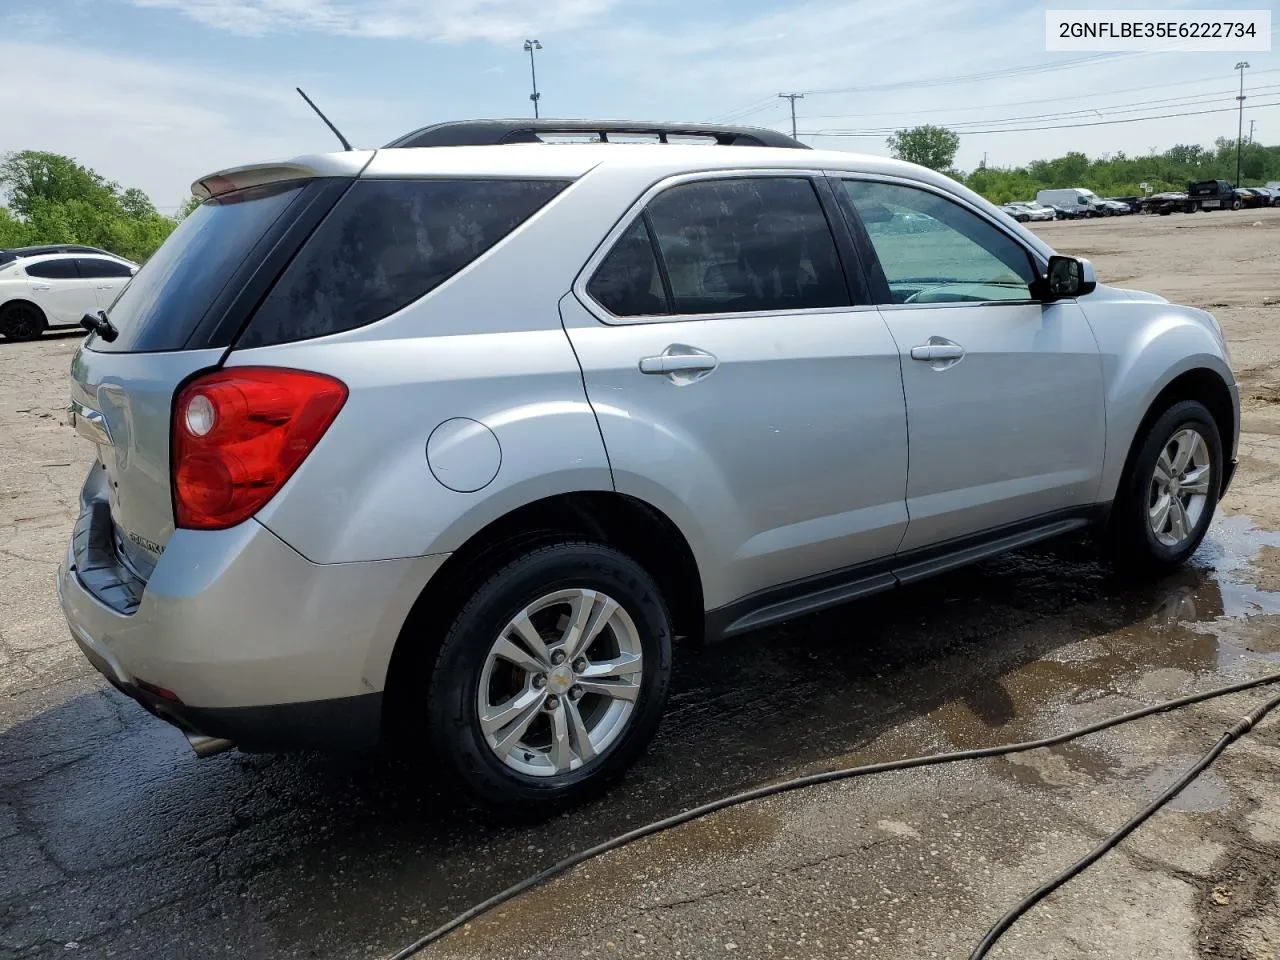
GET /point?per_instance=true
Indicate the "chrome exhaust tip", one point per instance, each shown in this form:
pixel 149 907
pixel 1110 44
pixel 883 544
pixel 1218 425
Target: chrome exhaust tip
pixel 208 746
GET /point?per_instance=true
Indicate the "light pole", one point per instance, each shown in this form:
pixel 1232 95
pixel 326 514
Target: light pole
pixel 530 46
pixel 1242 67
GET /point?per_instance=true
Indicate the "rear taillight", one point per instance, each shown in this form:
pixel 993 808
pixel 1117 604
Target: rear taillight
pixel 239 434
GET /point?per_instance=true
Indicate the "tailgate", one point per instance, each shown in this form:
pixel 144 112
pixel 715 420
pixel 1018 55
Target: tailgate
pixel 121 402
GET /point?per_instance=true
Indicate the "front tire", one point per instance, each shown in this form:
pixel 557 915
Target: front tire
pixel 22 321
pixel 1168 495
pixel 552 679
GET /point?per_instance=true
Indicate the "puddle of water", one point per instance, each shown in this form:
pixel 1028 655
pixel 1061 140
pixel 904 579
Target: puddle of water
pixel 1149 643
pixel 1244 561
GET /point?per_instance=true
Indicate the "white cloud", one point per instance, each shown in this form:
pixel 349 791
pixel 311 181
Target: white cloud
pixel 154 125
pixel 446 21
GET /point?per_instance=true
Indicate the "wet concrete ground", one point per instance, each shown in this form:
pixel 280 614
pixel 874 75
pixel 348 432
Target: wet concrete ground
pixel 115 841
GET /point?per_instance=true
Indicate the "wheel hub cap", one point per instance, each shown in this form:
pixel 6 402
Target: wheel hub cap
pixel 560 680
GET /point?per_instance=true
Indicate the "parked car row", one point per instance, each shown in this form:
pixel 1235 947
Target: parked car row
pixel 1076 203
pixel 42 288
pixel 1029 211
pixel 1070 204
pixel 1211 195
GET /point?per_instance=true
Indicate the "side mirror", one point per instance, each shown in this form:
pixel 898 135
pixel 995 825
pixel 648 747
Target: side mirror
pixel 1066 277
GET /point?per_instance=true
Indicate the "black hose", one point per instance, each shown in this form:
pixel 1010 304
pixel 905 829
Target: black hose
pixel 910 763
pixel 1004 923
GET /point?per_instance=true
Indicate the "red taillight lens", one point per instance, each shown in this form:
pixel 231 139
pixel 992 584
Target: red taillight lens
pixel 239 434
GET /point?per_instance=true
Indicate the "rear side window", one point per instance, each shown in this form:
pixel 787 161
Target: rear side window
pixel 54 270
pixel 385 244
pixel 751 244
pixel 628 283
pixel 161 307
pixel 101 267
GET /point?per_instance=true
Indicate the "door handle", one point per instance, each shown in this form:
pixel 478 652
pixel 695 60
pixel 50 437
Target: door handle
pixel 937 351
pixel 106 286
pixel 41 286
pixel 940 353
pixel 684 364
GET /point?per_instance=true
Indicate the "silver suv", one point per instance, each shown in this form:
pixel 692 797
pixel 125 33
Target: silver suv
pixel 453 437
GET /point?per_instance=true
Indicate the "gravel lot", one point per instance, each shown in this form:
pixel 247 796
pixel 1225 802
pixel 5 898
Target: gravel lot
pixel 116 841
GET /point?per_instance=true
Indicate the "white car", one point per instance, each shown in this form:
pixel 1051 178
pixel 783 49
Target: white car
pixel 1037 212
pixel 56 290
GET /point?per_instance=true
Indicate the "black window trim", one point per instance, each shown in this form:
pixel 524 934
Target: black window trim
pixel 639 209
pixel 877 282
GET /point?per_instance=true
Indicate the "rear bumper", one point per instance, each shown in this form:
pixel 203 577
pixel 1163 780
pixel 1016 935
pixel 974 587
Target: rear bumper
pixel 341 723
pixel 250 641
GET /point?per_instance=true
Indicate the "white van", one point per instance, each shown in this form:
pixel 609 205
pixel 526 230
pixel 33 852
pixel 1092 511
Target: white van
pixel 1077 200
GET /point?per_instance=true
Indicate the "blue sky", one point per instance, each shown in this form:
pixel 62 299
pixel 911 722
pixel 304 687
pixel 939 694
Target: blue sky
pixel 154 93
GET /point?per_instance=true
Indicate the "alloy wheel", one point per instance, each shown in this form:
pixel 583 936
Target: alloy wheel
pixel 22 322
pixel 1180 486
pixel 560 682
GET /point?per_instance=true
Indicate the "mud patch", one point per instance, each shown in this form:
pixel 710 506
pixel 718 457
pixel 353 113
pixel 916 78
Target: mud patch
pixel 1239 904
pixel 617 879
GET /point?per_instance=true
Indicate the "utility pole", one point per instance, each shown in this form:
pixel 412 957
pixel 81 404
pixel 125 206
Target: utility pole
pixel 529 47
pixel 793 97
pixel 1242 67
pixel 1251 125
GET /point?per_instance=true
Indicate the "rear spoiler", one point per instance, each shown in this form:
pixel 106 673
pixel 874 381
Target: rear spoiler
pixel 349 164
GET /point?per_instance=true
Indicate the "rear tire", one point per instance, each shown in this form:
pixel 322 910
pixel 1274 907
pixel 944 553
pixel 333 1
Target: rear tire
pixel 575 741
pixel 22 321
pixel 1169 492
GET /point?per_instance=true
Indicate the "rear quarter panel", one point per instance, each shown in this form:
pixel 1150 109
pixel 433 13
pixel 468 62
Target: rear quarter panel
pixel 1145 344
pixel 367 492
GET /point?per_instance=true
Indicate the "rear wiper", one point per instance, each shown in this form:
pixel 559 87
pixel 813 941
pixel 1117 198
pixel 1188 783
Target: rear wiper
pixel 100 324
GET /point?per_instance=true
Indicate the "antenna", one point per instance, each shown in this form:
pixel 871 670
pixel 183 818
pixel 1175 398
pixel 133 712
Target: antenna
pixel 336 132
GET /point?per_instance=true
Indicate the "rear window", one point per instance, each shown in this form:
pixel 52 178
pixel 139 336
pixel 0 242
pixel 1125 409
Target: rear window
pixel 385 244
pixel 166 300
pixel 54 270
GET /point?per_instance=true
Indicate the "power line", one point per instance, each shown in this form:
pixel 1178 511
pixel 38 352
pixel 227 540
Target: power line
pixel 1025 70
pixel 1074 98
pixel 1062 126
pixel 1006 72
pixel 1192 100
pixel 755 106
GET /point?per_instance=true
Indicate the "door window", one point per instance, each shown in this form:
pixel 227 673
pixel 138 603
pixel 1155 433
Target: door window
pixel 54 270
pixel 750 244
pixel 99 267
pixel 935 251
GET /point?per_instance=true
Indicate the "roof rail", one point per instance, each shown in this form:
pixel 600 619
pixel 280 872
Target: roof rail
pixel 479 133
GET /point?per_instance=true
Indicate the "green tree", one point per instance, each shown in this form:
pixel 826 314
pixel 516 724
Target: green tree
pixel 13 232
pixel 32 176
pixel 929 146
pixel 53 199
pixel 136 204
pixel 188 205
